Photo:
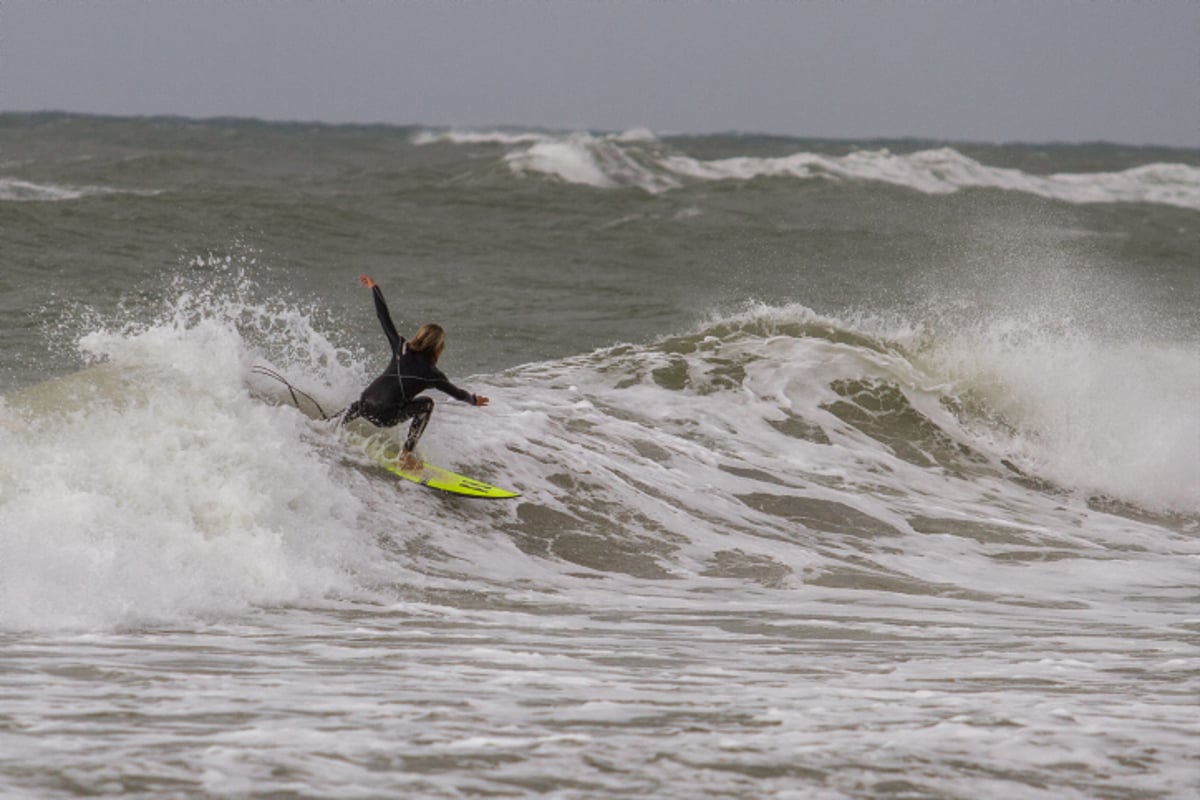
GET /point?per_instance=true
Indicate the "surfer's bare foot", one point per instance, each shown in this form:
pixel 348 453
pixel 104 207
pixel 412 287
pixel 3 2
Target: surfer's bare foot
pixel 409 462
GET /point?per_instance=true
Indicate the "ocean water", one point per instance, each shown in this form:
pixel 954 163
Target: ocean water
pixel 848 469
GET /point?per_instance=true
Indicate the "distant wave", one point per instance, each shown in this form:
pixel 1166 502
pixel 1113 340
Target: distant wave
pixel 606 162
pixel 13 189
pixel 945 170
pixel 517 137
pixel 19 191
pixel 478 137
pixel 639 159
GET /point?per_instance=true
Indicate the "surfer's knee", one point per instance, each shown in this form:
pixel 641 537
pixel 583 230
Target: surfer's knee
pixel 422 406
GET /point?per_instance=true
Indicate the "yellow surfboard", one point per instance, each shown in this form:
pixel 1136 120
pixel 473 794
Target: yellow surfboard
pixel 434 477
pixel 447 481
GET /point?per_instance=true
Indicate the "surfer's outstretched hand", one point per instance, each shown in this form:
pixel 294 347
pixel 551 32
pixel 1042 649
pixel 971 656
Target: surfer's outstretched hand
pixel 481 401
pixel 367 281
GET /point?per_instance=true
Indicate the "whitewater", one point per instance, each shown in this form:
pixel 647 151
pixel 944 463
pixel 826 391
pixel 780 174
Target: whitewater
pixel 635 158
pixel 940 541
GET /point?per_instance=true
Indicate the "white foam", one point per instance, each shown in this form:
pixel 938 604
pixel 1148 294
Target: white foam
pixel 479 137
pixel 636 135
pixel 1121 419
pixel 20 191
pixel 1087 414
pixel 606 162
pixel 945 170
pixel 153 488
pixel 572 160
pixel 503 137
pixel 637 158
pixel 12 189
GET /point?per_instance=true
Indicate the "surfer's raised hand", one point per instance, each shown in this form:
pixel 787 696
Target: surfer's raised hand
pixel 367 281
pixel 481 401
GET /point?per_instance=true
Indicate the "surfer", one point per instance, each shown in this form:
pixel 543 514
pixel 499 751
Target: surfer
pixel 392 397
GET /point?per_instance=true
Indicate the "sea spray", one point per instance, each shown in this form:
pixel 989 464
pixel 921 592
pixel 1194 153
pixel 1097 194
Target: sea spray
pixel 1117 419
pixel 152 487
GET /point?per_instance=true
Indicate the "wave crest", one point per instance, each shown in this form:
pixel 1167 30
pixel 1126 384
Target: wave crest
pixel 15 190
pixel 641 160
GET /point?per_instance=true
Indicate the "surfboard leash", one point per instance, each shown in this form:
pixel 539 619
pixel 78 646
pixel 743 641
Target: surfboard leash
pixel 270 373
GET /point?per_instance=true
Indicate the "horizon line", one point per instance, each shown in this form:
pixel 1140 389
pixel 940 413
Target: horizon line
pixel 505 127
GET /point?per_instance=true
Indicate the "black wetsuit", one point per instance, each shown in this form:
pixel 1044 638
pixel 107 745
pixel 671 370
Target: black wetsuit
pixel 392 397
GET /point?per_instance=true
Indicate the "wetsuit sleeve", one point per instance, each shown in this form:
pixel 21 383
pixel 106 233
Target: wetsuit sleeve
pixel 442 383
pixel 385 319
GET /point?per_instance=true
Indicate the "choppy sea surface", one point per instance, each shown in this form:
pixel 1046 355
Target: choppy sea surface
pixel 848 469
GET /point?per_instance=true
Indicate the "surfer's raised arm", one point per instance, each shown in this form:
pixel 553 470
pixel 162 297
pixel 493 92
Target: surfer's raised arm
pixel 381 310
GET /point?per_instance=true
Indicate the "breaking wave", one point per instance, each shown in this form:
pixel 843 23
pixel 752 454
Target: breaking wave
pixel 21 191
pixel 165 482
pixel 14 190
pixel 639 159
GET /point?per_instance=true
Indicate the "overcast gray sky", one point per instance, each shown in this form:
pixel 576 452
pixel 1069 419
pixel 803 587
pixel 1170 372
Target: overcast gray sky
pixel 1066 70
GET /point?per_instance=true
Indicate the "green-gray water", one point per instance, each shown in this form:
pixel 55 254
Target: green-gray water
pixel 848 469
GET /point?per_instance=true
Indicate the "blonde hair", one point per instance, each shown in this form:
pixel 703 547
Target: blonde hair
pixel 429 339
